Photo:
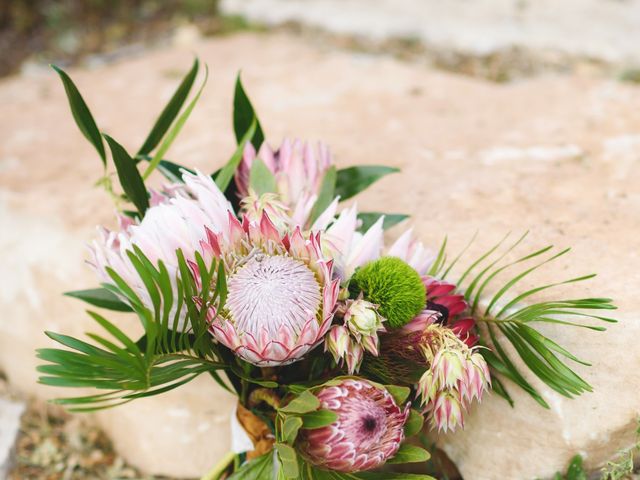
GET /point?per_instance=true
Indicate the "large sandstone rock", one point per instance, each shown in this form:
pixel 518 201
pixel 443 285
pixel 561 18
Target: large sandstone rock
pixel 557 155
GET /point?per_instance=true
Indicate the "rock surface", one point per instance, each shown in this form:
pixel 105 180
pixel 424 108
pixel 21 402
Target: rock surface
pixel 559 155
pixel 595 29
pixel 10 413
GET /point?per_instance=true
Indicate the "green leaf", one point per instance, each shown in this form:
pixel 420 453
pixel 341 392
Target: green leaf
pixel 414 423
pixel 129 177
pixel 325 195
pixel 390 219
pixel 288 460
pixel 399 394
pixel 82 114
pixel 576 470
pixel 224 176
pixel 410 454
pixel 261 180
pixel 290 428
pixel 170 111
pixel 392 476
pixel 100 297
pixel 304 403
pixel 243 117
pixel 318 419
pixel 260 468
pixel 175 130
pixel 353 180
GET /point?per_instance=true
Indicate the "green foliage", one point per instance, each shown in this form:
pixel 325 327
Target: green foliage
pixel 414 423
pixel 170 111
pixel 260 468
pixel 101 297
pixel 261 180
pixel 243 117
pixel 390 219
pixel 623 465
pixel 353 180
pixel 82 114
pixel 225 175
pixel 130 179
pixel 575 471
pixel 171 353
pixel 326 194
pixel 394 285
pixel 409 454
pixel 508 319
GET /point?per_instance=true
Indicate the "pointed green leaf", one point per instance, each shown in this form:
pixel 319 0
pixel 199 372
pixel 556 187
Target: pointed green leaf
pixel 225 175
pixel 170 111
pixel 100 297
pixel 243 116
pixel 390 219
pixel 82 114
pixel 261 180
pixel 325 195
pixel 410 454
pixel 260 468
pixel 175 130
pixel 129 177
pixel 353 180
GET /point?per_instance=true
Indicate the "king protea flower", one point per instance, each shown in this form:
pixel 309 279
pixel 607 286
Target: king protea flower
pixel 178 219
pixel 281 295
pixel 298 169
pixel 368 431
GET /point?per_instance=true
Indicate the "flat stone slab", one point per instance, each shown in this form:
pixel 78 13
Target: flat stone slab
pixel 10 414
pixel 557 155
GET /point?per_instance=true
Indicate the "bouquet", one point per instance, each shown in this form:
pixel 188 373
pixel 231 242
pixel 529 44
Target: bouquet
pixel 338 347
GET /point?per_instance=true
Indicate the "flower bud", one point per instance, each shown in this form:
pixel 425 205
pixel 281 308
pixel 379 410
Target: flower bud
pixel 355 353
pixel 362 318
pixel 337 342
pixel 447 411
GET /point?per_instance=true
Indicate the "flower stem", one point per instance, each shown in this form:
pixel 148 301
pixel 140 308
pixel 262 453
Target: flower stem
pixel 220 467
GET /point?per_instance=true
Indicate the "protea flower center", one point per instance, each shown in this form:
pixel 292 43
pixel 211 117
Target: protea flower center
pixel 368 431
pixel 271 291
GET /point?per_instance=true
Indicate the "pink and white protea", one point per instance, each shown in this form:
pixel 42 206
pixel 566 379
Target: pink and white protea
pixel 368 431
pixel 281 295
pixel 177 219
pixel 298 169
pixel 407 248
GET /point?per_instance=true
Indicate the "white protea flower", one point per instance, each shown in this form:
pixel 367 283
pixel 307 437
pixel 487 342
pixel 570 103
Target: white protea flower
pixel 298 169
pixel 178 219
pixel 281 295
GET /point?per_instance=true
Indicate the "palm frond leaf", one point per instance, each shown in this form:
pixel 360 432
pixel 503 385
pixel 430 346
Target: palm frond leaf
pixel 175 348
pixel 509 318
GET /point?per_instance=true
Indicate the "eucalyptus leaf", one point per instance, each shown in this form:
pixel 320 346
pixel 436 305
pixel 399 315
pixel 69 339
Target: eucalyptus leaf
pixel 290 428
pixel 260 468
pixel 82 114
pixel 100 297
pixel 244 115
pixel 170 111
pixel 129 177
pixel 353 180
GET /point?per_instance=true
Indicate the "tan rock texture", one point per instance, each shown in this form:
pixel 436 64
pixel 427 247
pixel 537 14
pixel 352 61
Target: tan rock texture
pixel 559 155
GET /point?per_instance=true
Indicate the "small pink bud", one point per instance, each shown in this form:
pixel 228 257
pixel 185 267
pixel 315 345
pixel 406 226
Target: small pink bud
pixel 337 342
pixel 354 357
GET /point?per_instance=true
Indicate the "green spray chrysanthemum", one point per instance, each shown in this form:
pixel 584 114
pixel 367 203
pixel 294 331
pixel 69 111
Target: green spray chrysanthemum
pixel 393 285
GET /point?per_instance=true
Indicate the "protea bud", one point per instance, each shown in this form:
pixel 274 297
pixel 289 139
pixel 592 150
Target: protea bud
pixel 337 342
pixel 363 319
pixel 368 431
pixel 446 411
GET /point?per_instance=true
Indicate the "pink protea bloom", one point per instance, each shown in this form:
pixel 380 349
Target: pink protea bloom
pixel 177 219
pixel 368 431
pixel 298 169
pixel 281 295
pixel 442 297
